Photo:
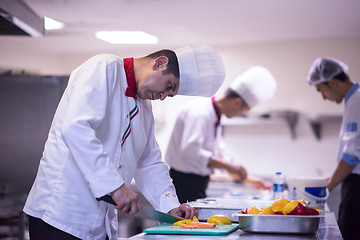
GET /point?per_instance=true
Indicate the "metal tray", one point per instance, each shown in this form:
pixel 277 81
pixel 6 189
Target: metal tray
pixel 278 223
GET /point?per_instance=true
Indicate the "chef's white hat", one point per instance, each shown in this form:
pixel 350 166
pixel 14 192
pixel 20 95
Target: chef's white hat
pixel 202 70
pixel 324 69
pixel 254 86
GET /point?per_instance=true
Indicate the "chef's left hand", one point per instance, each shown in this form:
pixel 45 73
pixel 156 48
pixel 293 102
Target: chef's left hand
pixel 237 171
pixel 184 211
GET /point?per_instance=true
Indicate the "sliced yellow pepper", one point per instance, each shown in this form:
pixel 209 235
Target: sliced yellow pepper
pixel 182 222
pixel 194 219
pixel 219 219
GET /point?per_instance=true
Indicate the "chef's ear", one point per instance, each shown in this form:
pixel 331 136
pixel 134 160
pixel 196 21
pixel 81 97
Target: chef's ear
pixel 238 102
pixel 333 83
pixel 160 63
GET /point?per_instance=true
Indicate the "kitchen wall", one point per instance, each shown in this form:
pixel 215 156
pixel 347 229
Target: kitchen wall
pixel 288 61
pixel 264 147
pixel 268 147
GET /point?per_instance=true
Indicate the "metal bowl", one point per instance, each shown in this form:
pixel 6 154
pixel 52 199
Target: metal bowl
pixel 278 223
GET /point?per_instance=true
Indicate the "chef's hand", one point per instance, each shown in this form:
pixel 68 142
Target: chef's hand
pixel 126 200
pixel 238 172
pixel 184 211
pixel 258 183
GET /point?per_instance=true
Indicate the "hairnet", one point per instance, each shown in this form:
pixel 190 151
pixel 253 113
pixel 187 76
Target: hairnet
pixel 324 69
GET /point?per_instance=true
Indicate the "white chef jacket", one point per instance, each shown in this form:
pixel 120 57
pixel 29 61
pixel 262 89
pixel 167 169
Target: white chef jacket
pixel 195 139
pixel 99 139
pixel 349 140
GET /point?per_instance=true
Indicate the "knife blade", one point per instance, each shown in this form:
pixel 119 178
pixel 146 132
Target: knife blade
pixel 150 213
pixel 146 212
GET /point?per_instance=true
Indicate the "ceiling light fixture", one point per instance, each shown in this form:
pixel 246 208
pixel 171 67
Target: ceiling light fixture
pixel 126 37
pixel 18 19
pixel 51 24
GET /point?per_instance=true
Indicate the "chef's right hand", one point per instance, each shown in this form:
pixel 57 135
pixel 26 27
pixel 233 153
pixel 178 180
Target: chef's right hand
pixel 126 200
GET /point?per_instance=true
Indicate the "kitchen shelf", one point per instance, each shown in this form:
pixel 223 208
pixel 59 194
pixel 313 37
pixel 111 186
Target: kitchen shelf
pixel 284 117
pixel 318 122
pixel 290 118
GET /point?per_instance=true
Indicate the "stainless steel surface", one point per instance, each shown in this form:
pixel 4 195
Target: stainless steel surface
pixel 206 213
pixel 278 223
pixel 328 229
pixel 208 207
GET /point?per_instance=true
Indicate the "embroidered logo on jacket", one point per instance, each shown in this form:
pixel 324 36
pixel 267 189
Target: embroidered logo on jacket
pixel 127 132
pixel 168 195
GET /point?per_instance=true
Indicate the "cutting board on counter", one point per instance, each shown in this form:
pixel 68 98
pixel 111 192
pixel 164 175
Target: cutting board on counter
pixel 166 229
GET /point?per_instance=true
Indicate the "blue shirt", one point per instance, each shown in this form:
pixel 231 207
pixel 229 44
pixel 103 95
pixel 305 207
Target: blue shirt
pixel 349 140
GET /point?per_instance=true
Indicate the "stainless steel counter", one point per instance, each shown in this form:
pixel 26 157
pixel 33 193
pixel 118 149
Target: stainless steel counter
pixel 328 229
pixel 227 198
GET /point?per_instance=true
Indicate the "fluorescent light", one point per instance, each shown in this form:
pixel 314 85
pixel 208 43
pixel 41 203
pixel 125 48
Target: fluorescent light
pixel 51 24
pixel 126 37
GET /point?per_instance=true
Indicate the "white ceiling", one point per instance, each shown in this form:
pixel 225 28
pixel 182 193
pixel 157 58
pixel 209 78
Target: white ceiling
pixel 177 23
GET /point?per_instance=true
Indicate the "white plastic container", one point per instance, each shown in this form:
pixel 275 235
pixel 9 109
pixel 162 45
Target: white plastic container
pixel 311 189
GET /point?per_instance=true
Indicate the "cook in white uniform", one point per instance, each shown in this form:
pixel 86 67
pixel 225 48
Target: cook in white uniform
pixel 196 147
pixel 102 136
pixel 329 77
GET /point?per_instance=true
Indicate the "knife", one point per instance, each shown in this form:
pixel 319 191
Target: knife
pixel 150 213
pixel 107 198
pixel 146 212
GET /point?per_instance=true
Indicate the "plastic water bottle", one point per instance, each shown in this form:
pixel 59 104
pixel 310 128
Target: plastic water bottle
pixel 278 189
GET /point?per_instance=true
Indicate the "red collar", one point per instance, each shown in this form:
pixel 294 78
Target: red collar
pixel 130 77
pixel 217 110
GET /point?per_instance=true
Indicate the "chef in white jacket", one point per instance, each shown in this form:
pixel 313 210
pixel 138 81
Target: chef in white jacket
pixel 102 136
pixel 196 149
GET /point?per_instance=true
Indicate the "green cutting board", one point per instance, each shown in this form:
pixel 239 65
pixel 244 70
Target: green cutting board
pixel 166 229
